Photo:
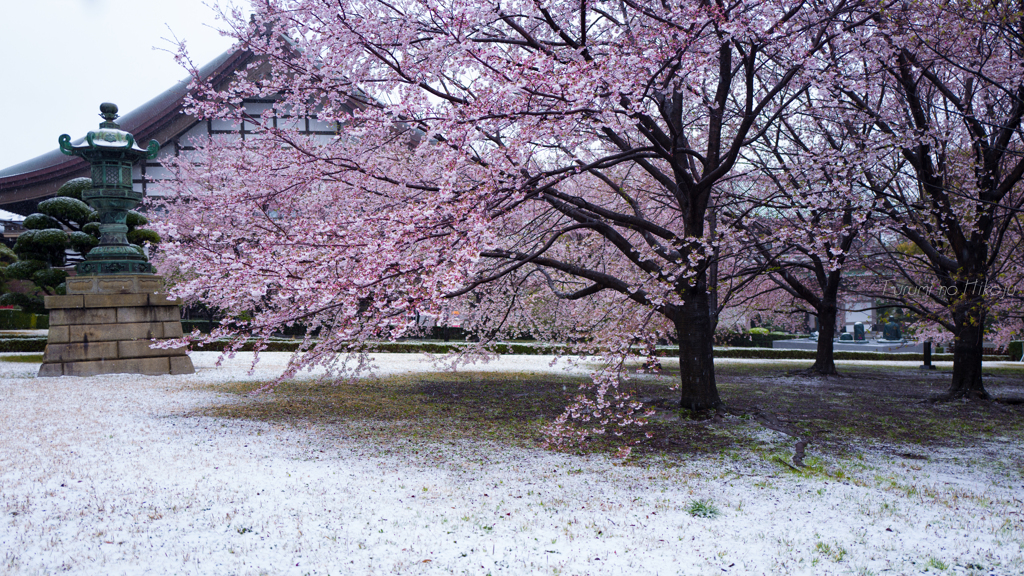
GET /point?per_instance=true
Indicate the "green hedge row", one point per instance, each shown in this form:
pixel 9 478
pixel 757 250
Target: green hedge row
pixel 442 333
pixel 749 340
pixel 1015 350
pixel 35 344
pixel 400 347
pixel 38 344
pixel 404 347
pixel 784 354
pixel 272 346
pixel 20 320
pixel 662 351
pixel 202 325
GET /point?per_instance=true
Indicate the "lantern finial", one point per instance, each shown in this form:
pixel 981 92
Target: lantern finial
pixel 108 111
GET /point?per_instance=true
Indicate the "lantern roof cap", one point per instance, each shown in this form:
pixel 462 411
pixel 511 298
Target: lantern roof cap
pixel 109 137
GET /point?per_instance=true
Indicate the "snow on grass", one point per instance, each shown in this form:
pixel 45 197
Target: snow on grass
pixel 118 475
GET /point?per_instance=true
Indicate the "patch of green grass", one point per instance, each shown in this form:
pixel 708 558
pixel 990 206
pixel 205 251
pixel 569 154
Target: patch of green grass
pixel 937 564
pixel 812 468
pixel 670 366
pixel 505 407
pixel 833 552
pixel 702 509
pixel 837 415
pixel 26 358
pixel 887 403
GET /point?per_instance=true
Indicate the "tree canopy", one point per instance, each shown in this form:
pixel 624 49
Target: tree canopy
pixel 579 171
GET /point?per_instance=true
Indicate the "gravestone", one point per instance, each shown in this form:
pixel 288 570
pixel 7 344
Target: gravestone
pixel 891 331
pixel 115 307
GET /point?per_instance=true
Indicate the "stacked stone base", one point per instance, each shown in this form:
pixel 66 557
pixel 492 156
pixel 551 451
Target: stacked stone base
pixel 106 324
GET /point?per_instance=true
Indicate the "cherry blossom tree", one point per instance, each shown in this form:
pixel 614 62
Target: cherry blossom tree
pixel 942 85
pixel 801 217
pixel 515 158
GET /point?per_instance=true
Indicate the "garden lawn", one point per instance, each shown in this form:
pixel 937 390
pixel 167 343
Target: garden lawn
pixel 421 472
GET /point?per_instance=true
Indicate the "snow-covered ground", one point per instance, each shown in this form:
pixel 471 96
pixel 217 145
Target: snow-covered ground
pixel 116 475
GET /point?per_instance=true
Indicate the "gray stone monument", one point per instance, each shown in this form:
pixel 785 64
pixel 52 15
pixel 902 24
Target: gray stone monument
pixel 891 331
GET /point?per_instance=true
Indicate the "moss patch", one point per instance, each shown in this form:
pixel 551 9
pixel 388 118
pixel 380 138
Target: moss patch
pixel 877 403
pixel 506 407
pixel 868 404
pixel 27 358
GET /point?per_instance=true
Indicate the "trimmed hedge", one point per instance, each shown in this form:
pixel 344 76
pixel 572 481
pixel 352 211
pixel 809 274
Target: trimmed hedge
pixel 787 354
pixel 755 340
pixel 206 326
pixel 202 325
pixel 661 351
pixel 396 347
pixel 34 344
pixel 1015 350
pixel 38 344
pixel 443 333
pixel 272 346
pixel 21 320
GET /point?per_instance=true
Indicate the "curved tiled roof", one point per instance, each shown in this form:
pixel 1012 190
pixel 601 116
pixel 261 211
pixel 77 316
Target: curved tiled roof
pixel 42 175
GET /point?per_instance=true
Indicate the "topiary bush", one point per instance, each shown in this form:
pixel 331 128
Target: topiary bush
pixel 1015 350
pixel 63 230
pixel 21 320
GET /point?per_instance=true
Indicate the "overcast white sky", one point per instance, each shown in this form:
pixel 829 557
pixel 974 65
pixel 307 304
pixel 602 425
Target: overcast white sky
pixel 51 53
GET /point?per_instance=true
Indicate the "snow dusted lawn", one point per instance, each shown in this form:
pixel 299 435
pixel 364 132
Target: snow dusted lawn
pixel 116 475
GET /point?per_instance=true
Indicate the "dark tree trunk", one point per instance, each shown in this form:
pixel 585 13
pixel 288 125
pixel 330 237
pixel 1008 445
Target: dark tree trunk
pixel 824 358
pixel 698 390
pixel 967 353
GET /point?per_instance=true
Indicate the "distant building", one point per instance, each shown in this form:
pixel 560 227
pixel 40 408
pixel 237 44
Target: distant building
pixel 24 185
pixel 11 226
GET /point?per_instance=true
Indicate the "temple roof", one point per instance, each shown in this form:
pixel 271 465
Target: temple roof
pixel 158 118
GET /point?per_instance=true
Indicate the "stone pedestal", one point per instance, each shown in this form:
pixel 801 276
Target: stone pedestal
pixel 105 325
